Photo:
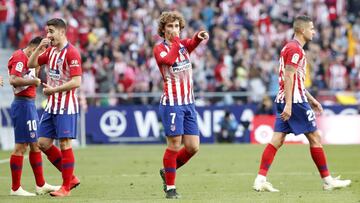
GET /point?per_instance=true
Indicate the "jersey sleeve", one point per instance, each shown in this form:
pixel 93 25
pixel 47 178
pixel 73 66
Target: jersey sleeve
pixel 167 58
pixel 73 60
pixel 292 56
pixel 44 57
pixel 191 44
pixel 17 66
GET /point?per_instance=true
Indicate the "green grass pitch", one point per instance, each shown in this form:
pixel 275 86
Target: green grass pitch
pixel 218 173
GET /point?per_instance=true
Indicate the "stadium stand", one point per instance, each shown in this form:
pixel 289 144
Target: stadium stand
pixel 116 39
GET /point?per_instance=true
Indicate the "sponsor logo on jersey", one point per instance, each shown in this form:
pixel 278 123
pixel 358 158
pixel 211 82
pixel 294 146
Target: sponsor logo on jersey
pixel 54 74
pixel 74 63
pixel 181 66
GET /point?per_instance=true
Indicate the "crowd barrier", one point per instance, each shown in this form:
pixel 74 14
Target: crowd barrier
pixel 141 124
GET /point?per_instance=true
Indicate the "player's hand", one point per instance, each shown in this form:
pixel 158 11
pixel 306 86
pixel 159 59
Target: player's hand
pixel 316 106
pixel 203 35
pixel 1 81
pixel 48 90
pixel 44 43
pixel 285 115
pixel 37 81
pixel 173 34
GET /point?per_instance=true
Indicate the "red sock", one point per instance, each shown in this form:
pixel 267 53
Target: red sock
pixel 169 162
pixel 267 158
pixel 54 156
pixel 182 157
pixel 68 162
pixel 16 163
pixel 36 165
pixel 318 155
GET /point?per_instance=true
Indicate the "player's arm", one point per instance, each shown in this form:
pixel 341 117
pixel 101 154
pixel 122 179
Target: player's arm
pixel 71 84
pixel 289 74
pixel 168 58
pixel 35 59
pixel 191 44
pixel 315 105
pixel 16 74
pixel 19 81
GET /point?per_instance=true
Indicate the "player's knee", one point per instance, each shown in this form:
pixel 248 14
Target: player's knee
pixel 43 146
pixel 65 144
pixel 192 149
pixel 277 143
pixel 19 150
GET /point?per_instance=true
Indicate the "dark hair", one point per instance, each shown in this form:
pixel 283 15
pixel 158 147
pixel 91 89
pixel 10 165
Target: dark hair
pixel 35 41
pixel 57 23
pixel 300 21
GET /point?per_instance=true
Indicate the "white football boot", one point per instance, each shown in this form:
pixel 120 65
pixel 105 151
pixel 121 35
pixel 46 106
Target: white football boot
pixel 261 185
pixel 336 183
pixel 46 188
pixel 21 192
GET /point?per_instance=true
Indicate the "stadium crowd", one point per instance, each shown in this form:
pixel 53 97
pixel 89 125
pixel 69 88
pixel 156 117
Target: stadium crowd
pixel 116 38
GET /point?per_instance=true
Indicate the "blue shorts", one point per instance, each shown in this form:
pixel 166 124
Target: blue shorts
pixel 57 126
pixel 25 120
pixel 302 119
pixel 179 120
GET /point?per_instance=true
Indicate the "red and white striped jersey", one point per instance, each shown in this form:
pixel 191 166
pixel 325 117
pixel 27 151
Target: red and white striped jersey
pixel 61 66
pixel 17 66
pixel 294 55
pixel 176 70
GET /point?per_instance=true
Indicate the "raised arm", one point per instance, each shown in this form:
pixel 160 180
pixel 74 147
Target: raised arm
pixel 33 60
pixel 191 44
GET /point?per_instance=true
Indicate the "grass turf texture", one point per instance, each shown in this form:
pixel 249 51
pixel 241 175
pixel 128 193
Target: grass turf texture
pixel 218 173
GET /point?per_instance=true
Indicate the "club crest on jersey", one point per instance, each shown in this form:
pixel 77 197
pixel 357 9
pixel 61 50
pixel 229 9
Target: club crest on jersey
pixel 183 51
pixel 172 127
pixel 54 74
pixel 32 134
pixel 59 62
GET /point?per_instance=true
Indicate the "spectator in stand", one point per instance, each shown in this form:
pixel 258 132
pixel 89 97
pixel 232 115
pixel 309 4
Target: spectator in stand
pixel 251 31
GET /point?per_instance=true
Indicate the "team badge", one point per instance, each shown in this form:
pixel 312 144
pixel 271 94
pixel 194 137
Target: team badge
pixel 59 62
pixel 183 51
pixel 172 127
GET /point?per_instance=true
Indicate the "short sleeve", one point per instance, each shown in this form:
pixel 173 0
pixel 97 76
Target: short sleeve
pixel 73 60
pixel 44 57
pixel 292 56
pixel 17 66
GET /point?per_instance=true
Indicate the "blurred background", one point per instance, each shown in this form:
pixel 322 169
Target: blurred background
pixel 235 71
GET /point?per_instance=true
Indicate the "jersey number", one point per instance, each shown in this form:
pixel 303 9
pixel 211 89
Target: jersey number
pixel 311 115
pixel 173 115
pixel 32 125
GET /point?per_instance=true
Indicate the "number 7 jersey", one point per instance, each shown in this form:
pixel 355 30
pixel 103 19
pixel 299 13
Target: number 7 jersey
pixel 176 70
